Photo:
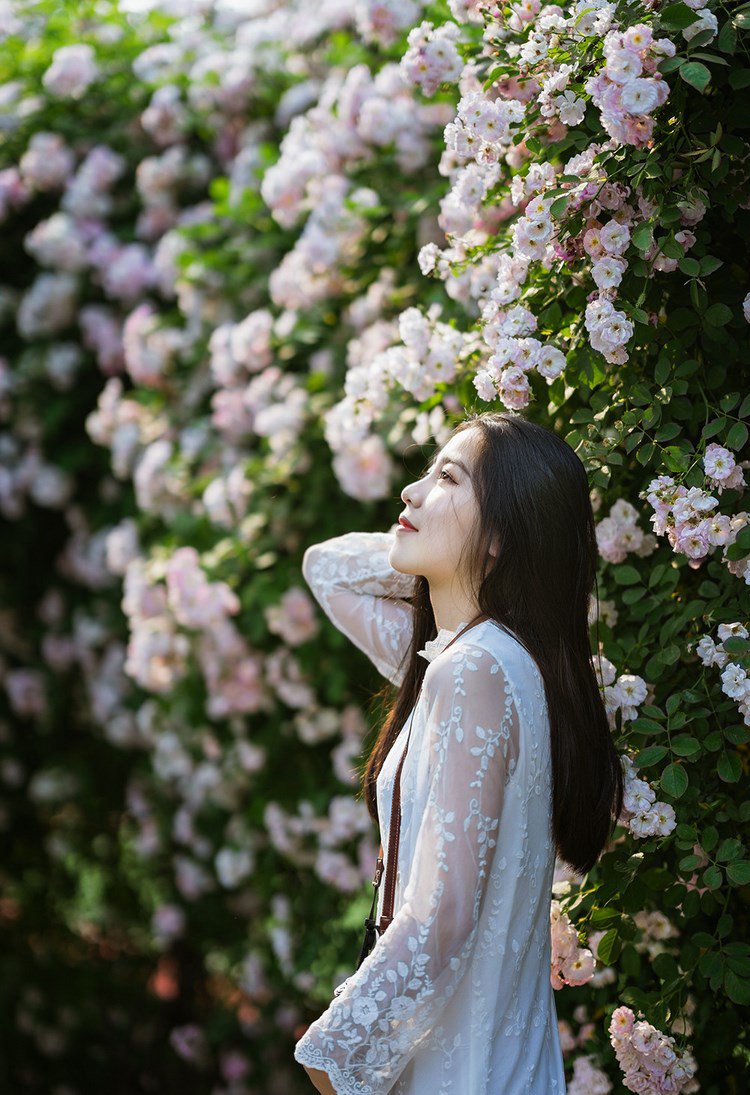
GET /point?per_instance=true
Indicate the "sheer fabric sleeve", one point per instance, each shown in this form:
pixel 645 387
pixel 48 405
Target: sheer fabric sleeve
pixel 397 997
pixel 363 596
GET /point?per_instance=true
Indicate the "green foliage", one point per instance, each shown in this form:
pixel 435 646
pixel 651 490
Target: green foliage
pixel 80 888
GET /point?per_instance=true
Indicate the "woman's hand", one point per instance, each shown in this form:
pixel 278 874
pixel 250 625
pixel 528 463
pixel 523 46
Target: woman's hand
pixel 320 1080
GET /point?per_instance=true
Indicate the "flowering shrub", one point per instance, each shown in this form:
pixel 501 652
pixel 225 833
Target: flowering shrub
pixel 647 1057
pixel 254 262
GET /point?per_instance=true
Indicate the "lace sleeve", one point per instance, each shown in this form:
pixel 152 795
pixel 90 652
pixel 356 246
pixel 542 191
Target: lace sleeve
pixel 363 596
pixel 392 1003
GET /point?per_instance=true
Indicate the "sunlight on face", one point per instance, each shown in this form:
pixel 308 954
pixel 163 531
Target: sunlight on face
pixel 443 508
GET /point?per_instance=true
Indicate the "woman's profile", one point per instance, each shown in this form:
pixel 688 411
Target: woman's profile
pixel 510 762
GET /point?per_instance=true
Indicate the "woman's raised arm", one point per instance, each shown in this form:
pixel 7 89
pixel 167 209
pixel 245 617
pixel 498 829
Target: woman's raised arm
pixel 363 596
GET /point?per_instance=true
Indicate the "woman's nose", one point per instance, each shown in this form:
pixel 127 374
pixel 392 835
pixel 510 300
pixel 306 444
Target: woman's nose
pixel 407 494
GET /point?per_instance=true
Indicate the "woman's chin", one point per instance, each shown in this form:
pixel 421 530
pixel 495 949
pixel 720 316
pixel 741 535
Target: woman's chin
pixel 399 560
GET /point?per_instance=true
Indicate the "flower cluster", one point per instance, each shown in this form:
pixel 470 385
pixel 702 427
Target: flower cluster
pixel 351 121
pixel 587 1079
pixel 571 964
pixel 514 353
pixel 72 71
pixel 383 20
pixel 624 693
pixel 648 1058
pixel 432 58
pixel 735 681
pixel 688 517
pixel 164 614
pixel 641 813
pixel 291 833
pixel 428 355
pixel 629 87
pixel 618 534
pixel 482 128
pixel 722 470
pixel 655 929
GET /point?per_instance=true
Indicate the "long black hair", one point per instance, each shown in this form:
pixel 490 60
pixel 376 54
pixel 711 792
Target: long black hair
pixel 533 496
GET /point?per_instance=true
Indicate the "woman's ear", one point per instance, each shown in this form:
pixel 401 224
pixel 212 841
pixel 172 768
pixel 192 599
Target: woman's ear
pixel 494 547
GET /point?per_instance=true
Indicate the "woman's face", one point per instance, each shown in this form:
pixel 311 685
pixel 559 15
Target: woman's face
pixel 444 509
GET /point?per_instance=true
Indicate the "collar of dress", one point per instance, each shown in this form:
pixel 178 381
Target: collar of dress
pixel 434 647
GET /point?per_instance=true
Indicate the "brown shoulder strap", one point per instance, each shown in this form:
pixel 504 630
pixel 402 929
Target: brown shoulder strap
pixel 393 837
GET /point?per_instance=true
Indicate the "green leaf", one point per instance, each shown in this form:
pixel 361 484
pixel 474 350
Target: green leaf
pixel 739 872
pixel 626 575
pixel 730 848
pixel 709 838
pixel 674 780
pixel 677 16
pixel 737 436
pixel 665 967
pixel 727 40
pixel 709 263
pixel 676 459
pixel 718 315
pixel 636 998
pixel 662 370
pixel 601 916
pixel 729 767
pixel 609 946
pixel 656 878
pixel 686 368
pixel 684 745
pixel 695 74
pixel 714 427
pixel 559 206
pixel 698 296
pixel 689 266
pixel 648 726
pixel 739 78
pixel 689 862
pixel 656 575
pixel 643 237
pixel 668 431
pixel 737 988
pixel 670 64
pixel 671 248
pixel 712 877
pixel 670 654
pixel 735 552
pixel 674 701
pixel 652 754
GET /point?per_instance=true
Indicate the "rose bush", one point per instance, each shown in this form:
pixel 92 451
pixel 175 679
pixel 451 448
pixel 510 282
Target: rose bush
pixel 255 264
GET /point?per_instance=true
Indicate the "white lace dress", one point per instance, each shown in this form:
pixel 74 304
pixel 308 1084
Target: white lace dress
pixel 455 998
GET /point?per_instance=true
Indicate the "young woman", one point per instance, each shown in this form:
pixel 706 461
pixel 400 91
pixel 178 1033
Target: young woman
pixel 510 761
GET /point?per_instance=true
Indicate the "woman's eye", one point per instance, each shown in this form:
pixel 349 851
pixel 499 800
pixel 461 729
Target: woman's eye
pixel 444 472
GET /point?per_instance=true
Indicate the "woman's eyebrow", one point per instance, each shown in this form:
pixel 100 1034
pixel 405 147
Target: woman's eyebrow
pixel 449 460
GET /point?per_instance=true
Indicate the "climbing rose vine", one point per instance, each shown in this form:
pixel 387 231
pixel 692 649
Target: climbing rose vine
pixel 258 261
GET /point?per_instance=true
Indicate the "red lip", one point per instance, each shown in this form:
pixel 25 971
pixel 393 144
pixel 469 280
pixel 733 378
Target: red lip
pixel 406 523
